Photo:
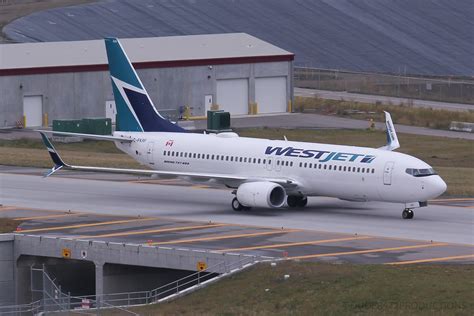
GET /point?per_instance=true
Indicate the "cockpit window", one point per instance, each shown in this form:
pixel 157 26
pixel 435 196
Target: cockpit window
pixel 420 172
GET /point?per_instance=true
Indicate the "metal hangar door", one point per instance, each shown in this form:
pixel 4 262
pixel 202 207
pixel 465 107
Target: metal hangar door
pixel 233 96
pixel 270 94
pixel 33 110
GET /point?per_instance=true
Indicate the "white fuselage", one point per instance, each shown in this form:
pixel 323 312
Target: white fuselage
pixel 346 172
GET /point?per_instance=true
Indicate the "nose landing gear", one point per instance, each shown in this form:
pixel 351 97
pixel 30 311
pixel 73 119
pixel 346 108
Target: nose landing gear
pixel 408 213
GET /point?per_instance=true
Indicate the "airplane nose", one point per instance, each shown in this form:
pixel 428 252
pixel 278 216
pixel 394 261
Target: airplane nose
pixel 439 186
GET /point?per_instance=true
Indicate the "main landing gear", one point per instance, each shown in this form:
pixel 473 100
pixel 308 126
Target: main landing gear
pixel 296 201
pixel 236 206
pixel 407 213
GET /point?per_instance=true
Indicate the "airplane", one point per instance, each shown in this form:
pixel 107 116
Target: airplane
pixel 263 173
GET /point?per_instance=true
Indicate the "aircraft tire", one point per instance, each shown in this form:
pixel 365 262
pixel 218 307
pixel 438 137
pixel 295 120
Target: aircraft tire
pixel 236 206
pixel 292 200
pixel 302 202
pixel 407 214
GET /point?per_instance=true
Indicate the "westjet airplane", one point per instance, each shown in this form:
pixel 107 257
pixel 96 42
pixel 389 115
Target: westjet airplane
pixel 264 173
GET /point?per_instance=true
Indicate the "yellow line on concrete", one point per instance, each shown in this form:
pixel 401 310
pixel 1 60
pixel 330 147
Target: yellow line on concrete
pixel 182 241
pixel 200 186
pixel 8 208
pixel 149 231
pixel 431 260
pixel 366 251
pixel 293 244
pixel 449 200
pixel 46 216
pixel 86 225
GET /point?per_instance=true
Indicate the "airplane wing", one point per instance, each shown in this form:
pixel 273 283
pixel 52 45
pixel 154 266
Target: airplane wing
pixel 60 164
pixel 392 138
pixel 90 136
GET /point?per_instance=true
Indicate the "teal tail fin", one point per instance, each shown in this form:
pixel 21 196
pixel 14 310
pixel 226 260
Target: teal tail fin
pixel 135 110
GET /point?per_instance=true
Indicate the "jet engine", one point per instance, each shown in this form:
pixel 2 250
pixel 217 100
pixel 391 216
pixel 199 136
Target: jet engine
pixel 261 194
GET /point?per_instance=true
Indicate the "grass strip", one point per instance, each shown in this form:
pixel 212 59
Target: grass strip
pixel 332 289
pixel 404 113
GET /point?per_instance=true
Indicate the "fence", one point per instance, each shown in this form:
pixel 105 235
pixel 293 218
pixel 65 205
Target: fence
pixel 459 90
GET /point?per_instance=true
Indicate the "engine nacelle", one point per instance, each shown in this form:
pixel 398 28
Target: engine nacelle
pixel 261 194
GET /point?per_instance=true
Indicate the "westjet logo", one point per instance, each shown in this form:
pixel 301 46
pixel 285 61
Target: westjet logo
pixel 321 155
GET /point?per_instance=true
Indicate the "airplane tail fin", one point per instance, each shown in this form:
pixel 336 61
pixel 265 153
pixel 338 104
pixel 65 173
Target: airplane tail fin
pixel 392 138
pixel 135 110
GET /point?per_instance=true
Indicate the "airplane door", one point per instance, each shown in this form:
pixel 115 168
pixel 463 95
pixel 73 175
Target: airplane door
pixel 149 153
pixel 269 164
pixel 387 173
pixel 278 164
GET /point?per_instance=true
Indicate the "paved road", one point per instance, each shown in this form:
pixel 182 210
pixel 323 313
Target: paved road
pixel 367 98
pixel 436 222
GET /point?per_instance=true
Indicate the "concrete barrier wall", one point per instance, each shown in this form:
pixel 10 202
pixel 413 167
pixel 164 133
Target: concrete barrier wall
pixel 7 283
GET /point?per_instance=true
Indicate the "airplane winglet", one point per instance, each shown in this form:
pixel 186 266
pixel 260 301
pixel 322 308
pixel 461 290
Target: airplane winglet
pixel 392 139
pixel 58 162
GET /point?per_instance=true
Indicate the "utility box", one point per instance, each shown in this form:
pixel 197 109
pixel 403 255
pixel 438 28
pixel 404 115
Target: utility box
pixel 218 121
pixel 97 126
pixel 71 126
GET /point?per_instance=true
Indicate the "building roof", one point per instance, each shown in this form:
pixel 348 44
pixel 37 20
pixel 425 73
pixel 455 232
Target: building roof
pixel 172 51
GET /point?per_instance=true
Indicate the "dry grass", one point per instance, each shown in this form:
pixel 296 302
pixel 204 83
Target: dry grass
pixel 330 289
pixel 8 225
pixel 404 114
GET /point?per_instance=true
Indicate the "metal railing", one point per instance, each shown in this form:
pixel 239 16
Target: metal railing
pixel 53 299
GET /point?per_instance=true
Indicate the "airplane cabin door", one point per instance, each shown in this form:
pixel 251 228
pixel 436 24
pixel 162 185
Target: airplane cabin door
pixel 149 153
pixel 278 164
pixel 269 164
pixel 387 173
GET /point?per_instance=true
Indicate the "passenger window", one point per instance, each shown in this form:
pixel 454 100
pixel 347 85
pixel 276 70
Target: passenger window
pixel 344 168
pixel 291 164
pixel 301 164
pixel 373 170
pixel 258 161
pixel 264 161
pixel 330 167
pixel 325 167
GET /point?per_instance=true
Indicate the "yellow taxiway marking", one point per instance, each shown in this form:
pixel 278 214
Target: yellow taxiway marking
pixel 8 208
pixel 293 244
pixel 431 260
pixel 86 225
pixel 45 216
pixel 449 200
pixel 149 231
pixel 182 241
pixel 366 251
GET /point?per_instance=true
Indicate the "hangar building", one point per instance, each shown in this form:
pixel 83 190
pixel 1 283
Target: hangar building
pixel 70 80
